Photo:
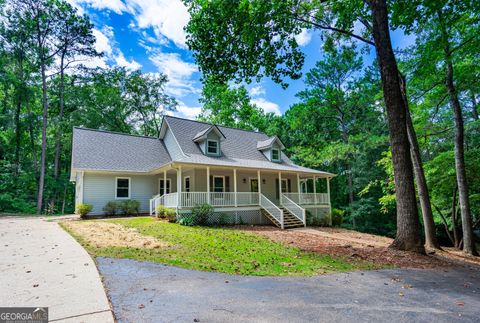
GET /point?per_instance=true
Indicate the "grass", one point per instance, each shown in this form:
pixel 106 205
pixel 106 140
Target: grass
pixel 223 250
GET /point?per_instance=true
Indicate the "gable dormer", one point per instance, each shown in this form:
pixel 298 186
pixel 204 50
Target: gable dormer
pixel 272 149
pixel 209 141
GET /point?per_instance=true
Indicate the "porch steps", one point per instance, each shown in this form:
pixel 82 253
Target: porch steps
pixel 289 220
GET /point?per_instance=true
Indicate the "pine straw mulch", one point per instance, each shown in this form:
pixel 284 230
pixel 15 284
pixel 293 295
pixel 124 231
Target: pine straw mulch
pixel 356 245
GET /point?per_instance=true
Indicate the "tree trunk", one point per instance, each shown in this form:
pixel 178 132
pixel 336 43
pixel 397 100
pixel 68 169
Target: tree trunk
pixel 32 136
pixel 18 134
pixel 454 217
pixel 408 224
pixel 58 139
pixel 41 181
pixel 468 240
pixel 423 194
pixel 474 106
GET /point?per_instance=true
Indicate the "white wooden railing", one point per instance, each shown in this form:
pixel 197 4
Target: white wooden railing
pixel 308 198
pixel 271 208
pixel 294 208
pixel 190 199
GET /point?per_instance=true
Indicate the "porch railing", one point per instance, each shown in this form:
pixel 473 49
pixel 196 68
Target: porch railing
pixel 190 199
pixel 294 208
pixel 308 198
pixel 272 209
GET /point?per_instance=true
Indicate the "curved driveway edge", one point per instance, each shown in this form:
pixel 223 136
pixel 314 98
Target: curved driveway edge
pixel 42 265
pixel 150 292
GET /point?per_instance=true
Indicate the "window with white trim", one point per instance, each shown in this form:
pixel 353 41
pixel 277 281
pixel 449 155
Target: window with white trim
pixel 213 147
pixel 186 184
pixel 122 188
pixel 275 155
pixel 218 184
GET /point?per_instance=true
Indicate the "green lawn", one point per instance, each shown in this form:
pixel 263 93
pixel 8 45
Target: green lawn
pixel 223 250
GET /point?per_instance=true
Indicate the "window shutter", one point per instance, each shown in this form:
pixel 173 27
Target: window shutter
pixel 211 183
pixel 289 185
pixel 227 184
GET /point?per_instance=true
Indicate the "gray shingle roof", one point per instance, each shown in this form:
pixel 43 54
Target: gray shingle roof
pixel 111 151
pixel 238 149
pixel 261 145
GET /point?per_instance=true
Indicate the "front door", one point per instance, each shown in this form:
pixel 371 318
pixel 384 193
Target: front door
pixel 254 185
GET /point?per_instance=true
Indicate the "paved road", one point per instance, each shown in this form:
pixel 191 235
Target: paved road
pixel 42 265
pixel 149 292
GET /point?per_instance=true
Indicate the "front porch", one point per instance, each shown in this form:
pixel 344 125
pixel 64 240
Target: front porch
pixel 281 197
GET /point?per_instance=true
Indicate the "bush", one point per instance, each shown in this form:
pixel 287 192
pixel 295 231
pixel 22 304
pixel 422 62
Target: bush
pixel 83 209
pixel 337 217
pixel 111 208
pixel 201 213
pixel 188 221
pixel 130 207
pixel 166 213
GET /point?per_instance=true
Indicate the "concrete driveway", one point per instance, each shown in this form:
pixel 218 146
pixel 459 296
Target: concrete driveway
pixel 42 265
pixel 149 292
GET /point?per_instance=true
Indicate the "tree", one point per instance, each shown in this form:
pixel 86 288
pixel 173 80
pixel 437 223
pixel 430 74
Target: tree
pixel 448 28
pixel 231 107
pixel 247 39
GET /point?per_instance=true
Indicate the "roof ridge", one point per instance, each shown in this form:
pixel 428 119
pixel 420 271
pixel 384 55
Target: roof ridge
pixel 218 125
pixel 115 132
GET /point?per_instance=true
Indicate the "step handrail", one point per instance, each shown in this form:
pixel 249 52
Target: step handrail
pixel 294 208
pixel 272 209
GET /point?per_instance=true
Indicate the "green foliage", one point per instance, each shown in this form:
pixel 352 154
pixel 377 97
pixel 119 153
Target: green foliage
pixel 83 209
pixel 111 208
pixel 129 207
pixel 164 212
pixel 201 213
pixel 337 217
pixel 187 221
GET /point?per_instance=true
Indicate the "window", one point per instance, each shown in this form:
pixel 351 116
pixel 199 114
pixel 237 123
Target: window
pixel 122 188
pixel 162 187
pixel 212 147
pixel 218 184
pixel 275 155
pixel 187 184
pixel 284 185
pixel 253 184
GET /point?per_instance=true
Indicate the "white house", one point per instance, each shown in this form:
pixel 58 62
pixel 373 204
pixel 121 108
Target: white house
pixel 244 175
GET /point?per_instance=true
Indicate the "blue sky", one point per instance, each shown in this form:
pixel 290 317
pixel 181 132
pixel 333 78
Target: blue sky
pixel 148 35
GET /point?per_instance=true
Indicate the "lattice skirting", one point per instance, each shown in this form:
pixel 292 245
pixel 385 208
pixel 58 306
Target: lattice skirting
pixel 319 216
pixel 230 217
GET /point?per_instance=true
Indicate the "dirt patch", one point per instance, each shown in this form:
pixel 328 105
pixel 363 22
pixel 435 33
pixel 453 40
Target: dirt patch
pixel 103 234
pixel 351 244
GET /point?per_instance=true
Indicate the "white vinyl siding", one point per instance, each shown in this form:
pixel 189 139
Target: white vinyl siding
pixel 98 189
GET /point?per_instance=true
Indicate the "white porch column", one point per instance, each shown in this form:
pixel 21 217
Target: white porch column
pixel 314 190
pixel 179 186
pixel 280 187
pixel 235 185
pixel 298 185
pixel 329 203
pixel 164 182
pixel 208 185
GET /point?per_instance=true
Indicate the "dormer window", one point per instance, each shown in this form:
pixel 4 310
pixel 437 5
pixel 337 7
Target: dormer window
pixel 275 155
pixel 213 147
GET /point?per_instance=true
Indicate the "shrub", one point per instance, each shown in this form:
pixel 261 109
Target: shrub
pixel 201 213
pixel 83 209
pixel 337 217
pixel 130 207
pixel 188 221
pixel 166 213
pixel 111 208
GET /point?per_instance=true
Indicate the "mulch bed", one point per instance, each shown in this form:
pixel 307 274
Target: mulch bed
pixel 355 245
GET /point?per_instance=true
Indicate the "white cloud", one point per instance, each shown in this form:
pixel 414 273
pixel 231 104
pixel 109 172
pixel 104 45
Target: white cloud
pixel 304 37
pixel 102 43
pixel 256 91
pixel 122 61
pixel 188 112
pixel 114 5
pixel 267 106
pixel 166 17
pixel 179 72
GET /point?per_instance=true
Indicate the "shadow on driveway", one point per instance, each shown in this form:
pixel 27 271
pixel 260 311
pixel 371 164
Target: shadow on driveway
pixel 150 292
